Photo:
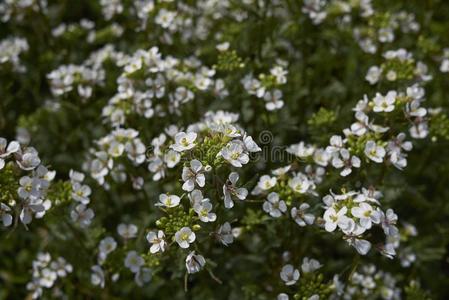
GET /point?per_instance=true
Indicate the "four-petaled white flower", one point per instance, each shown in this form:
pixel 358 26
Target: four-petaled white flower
pixel 134 261
pixel 274 206
pixel 334 218
pixel 374 152
pixel 224 234
pixel 300 183
pixel 235 154
pixel 127 231
pixel 203 209
pixel 184 237
pixel 194 262
pixel 168 200
pixel 289 274
pixel 193 176
pixel 230 189
pixel 157 239
pixel 301 217
pixel 184 141
pixel 384 103
pixel 82 215
pixel 366 215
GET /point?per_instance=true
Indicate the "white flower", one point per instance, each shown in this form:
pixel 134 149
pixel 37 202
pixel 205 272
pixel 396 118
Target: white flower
pixel 5 215
pixel 362 246
pixel 300 183
pixel 224 234
pixel 274 206
pixel 47 278
pixel 374 152
pixel 203 209
pixel 310 265
pixel 81 192
pixel 346 162
pixel 184 237
pixel 82 215
pixel 157 241
pixel 184 141
pixel 193 176
pixel 388 222
pixel 134 261
pixel 301 217
pixel 127 231
pixel 282 296
pixel 6 150
pixel 194 262
pixel 366 214
pixel 333 218
pixel 29 160
pixel 289 274
pixel 384 103
pixel 172 158
pixel 230 189
pixel 28 208
pixel 273 100
pixel 235 154
pixel 266 182
pixel 250 144
pixel 107 245
pixel 373 74
pixel 97 276
pixel 168 200
pixel 301 150
pixel 321 157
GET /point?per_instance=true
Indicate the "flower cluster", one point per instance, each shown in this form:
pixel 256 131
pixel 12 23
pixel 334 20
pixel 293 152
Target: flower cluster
pixel 46 272
pixel 25 193
pixel 266 86
pixel 10 50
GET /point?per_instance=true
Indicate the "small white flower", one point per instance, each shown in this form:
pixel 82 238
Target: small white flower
pixel 97 276
pixel 107 245
pixel 230 189
pixel 184 237
pixel 235 154
pixel 345 161
pixel 224 234
pixel 203 209
pixel 310 265
pixel 384 103
pixel 193 176
pixel 81 193
pixel 169 201
pixel 373 74
pixel 157 240
pixel 301 217
pixel 127 231
pixel 273 100
pixel 266 182
pixel 300 183
pixel 134 261
pixel 289 274
pixel 333 218
pixel 366 214
pixel 184 141
pixel 194 262
pixel 5 214
pixel 274 206
pixel 82 215
pixel 374 152
pixel 172 158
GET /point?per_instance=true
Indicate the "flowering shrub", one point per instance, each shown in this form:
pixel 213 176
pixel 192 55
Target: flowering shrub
pixel 224 149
